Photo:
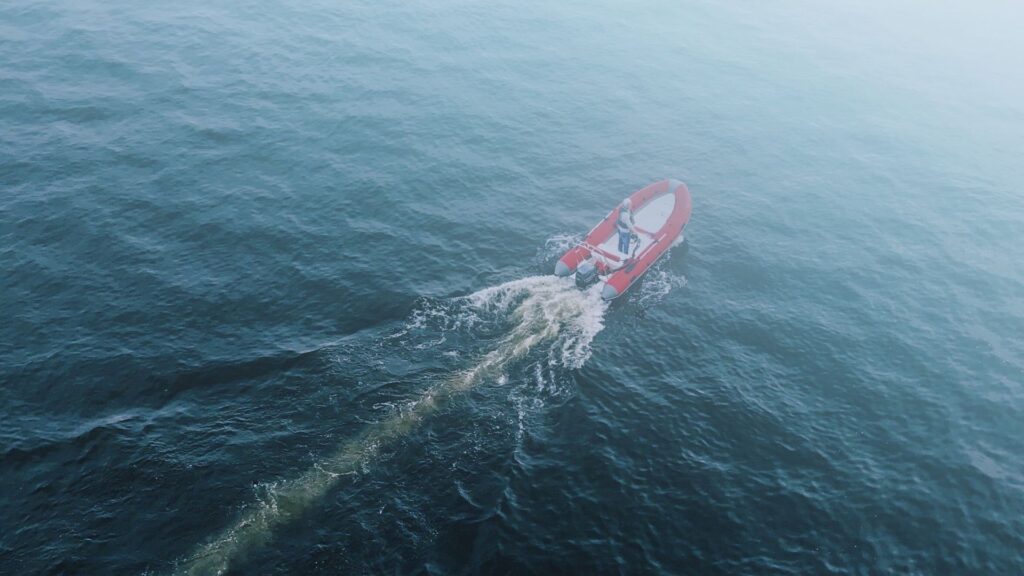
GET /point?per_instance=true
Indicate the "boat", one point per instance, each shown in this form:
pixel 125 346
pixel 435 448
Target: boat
pixel 660 211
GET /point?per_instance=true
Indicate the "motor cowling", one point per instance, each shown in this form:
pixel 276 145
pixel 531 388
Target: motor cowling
pixel 586 274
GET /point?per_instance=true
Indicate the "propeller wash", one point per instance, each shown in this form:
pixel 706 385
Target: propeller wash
pixel 537 310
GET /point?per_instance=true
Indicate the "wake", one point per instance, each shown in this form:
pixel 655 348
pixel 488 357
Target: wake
pixel 539 310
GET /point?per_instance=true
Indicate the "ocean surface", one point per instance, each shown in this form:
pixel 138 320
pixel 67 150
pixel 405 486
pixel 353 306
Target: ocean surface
pixel 275 291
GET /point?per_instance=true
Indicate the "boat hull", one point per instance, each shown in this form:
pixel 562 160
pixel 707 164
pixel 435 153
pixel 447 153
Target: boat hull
pixel 633 266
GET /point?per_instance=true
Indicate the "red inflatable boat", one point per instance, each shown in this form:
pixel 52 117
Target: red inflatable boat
pixel 660 213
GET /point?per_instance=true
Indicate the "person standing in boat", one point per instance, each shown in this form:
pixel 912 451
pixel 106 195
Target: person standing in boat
pixel 626 225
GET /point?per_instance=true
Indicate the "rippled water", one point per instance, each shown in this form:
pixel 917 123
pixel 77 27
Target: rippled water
pixel 275 289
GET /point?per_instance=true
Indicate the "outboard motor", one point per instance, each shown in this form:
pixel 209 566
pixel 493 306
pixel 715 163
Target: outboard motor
pixel 586 274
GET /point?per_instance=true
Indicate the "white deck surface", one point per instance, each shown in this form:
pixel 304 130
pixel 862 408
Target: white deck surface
pixel 650 217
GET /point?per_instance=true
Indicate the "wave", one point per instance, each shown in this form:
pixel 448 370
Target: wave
pixel 533 311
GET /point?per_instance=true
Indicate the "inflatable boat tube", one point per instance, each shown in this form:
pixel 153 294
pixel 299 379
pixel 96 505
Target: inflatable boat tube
pixel 660 212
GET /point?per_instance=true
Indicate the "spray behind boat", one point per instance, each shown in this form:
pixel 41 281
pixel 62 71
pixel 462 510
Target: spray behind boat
pixel 530 313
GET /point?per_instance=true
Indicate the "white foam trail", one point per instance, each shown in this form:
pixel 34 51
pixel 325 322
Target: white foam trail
pixel 541 309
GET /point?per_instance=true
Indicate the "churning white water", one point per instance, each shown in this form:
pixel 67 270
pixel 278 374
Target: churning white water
pixel 541 310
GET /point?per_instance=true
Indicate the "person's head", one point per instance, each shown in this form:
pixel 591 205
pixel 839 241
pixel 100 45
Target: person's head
pixel 627 204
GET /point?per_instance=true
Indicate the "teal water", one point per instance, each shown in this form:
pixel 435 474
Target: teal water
pixel 276 293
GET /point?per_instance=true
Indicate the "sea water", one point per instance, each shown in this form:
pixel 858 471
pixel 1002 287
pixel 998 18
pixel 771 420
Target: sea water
pixel 276 296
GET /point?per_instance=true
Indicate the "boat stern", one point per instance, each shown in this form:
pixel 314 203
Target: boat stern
pixel 609 292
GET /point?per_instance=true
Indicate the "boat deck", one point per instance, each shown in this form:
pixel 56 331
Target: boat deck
pixel 650 217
